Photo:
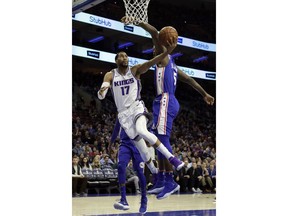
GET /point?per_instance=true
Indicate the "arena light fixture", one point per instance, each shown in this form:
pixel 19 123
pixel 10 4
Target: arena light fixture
pixel 200 59
pixel 147 51
pixel 96 39
pixel 175 55
pixel 121 46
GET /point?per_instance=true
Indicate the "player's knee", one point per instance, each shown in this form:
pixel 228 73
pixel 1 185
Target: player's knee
pixel 141 125
pixel 121 167
pixel 140 172
pixel 146 135
pixel 139 168
pixel 142 131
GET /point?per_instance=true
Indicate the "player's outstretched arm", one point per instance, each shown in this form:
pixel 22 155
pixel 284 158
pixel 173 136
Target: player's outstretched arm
pixel 105 85
pixel 154 34
pixel 142 68
pixel 152 31
pixel 192 82
pixel 146 26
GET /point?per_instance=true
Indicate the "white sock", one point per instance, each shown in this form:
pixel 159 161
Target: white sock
pixel 161 148
pixel 152 167
pixel 143 149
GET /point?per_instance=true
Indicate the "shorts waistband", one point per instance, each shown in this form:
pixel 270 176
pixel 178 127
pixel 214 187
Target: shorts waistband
pixel 165 93
pixel 134 104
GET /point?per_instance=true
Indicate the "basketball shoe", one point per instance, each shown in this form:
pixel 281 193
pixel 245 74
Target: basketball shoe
pixel 176 163
pixel 169 188
pixel 157 188
pixel 143 206
pixel 121 205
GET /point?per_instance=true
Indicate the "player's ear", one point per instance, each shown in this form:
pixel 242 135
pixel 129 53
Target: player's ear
pixel 116 57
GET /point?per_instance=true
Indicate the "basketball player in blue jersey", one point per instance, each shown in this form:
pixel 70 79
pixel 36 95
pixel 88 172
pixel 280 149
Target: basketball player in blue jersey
pixel 124 82
pixel 128 151
pixel 165 110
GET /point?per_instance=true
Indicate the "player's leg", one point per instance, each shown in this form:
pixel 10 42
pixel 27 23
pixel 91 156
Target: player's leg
pixel 127 123
pixel 165 172
pixel 170 186
pixel 164 121
pixel 159 184
pixel 153 140
pixel 124 157
pixel 75 186
pixel 83 186
pixel 139 166
pixel 135 180
pixel 143 150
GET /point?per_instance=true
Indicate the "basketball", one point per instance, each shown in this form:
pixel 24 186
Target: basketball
pixel 166 33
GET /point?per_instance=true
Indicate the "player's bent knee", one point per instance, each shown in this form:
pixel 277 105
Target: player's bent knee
pixel 146 135
pixel 121 167
pixel 142 132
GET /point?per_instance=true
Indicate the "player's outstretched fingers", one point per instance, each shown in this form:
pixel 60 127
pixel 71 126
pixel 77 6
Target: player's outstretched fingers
pixel 123 19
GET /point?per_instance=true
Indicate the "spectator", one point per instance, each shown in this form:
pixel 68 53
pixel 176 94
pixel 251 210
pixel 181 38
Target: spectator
pixel 87 149
pixel 77 150
pixel 114 160
pixel 91 129
pixel 212 174
pixel 92 154
pixel 86 168
pixel 213 162
pixel 195 178
pixel 81 156
pixel 185 176
pixel 96 162
pixel 87 139
pixel 213 153
pixel 85 164
pixel 106 162
pixel 206 181
pixel 79 181
pixel 132 177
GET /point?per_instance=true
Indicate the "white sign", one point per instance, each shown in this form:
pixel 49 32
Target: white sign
pixel 110 57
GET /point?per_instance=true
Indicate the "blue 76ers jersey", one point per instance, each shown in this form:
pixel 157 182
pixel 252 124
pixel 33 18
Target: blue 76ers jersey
pixel 165 105
pixel 166 78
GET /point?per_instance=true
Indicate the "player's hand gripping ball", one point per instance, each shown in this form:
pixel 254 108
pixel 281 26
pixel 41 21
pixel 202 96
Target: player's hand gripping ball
pixel 166 34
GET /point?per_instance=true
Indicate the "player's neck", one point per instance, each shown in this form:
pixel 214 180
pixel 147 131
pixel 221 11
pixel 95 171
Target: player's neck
pixel 122 70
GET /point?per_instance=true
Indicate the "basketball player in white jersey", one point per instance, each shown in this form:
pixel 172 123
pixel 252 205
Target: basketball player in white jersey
pixel 165 109
pixel 124 82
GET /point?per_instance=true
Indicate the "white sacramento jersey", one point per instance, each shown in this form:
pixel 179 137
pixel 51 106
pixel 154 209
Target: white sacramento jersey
pixel 125 89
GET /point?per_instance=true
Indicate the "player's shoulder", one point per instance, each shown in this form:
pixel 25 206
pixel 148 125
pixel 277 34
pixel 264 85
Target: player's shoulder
pixel 109 73
pixel 135 67
pixel 108 77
